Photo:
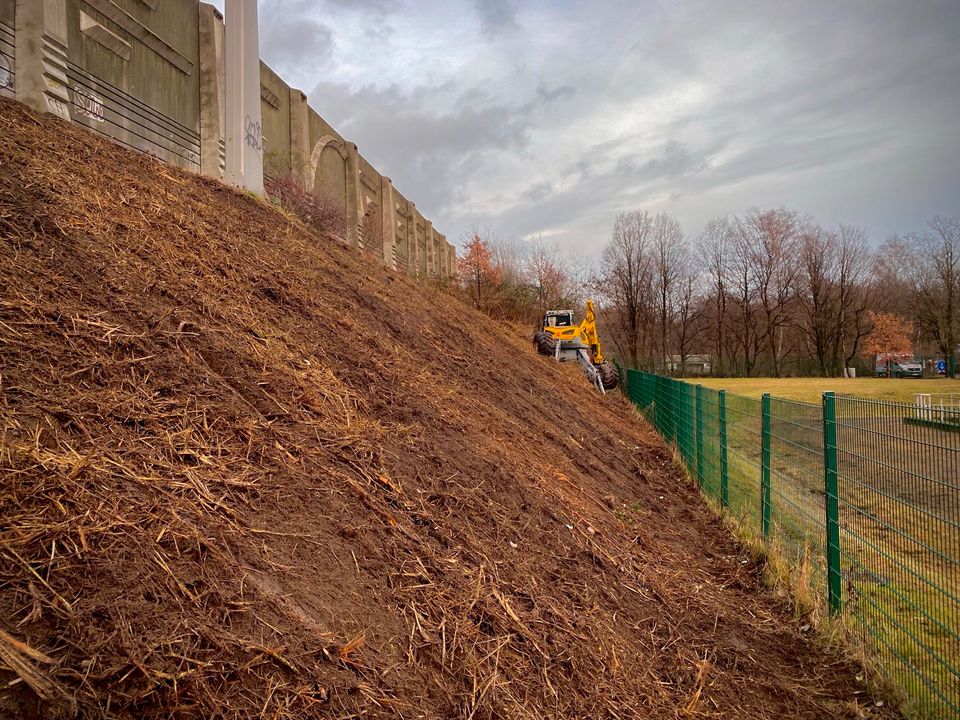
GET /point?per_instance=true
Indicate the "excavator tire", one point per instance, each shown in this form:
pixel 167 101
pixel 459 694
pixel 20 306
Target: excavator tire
pixel 608 375
pixel 543 342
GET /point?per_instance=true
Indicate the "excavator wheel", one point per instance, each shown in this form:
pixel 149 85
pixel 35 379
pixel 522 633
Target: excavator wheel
pixel 608 375
pixel 543 342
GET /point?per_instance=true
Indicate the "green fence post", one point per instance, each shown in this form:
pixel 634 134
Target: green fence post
pixel 699 400
pixel 831 501
pixel 724 487
pixel 765 467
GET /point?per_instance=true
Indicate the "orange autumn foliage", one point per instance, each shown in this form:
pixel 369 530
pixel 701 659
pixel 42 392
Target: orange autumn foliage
pixel 892 336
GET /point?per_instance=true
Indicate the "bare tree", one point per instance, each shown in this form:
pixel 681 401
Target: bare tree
pixel 546 274
pixel 626 278
pixel 509 257
pixel 937 283
pixel 580 272
pixel 854 297
pixel 741 280
pixel 893 271
pixel 817 300
pixel 713 247
pixel 690 310
pixel 771 244
pixel 669 252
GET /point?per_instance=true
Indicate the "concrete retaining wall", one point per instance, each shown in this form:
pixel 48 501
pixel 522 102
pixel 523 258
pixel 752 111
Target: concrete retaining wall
pixel 7 53
pixel 150 75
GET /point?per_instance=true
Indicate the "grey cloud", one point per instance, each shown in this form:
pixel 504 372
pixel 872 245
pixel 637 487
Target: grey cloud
pixel 794 155
pixel 291 42
pixel 673 161
pixel 547 96
pixel 539 191
pixel 366 6
pixel 429 156
pixel 496 16
pixel 688 104
pixel 379 31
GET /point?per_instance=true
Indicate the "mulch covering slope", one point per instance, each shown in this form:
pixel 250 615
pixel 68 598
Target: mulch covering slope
pixel 246 472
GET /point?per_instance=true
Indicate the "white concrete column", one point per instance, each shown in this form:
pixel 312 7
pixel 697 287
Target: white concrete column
pixel 212 101
pixel 244 129
pixel 41 55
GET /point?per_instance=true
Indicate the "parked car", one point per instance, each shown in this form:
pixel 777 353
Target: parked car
pixel 901 368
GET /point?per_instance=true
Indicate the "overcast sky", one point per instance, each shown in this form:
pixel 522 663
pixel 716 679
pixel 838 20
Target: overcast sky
pixel 550 117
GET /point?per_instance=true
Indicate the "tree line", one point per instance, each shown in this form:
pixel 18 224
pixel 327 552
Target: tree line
pixel 769 292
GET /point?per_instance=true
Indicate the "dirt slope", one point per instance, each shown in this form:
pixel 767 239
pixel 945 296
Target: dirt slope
pixel 248 473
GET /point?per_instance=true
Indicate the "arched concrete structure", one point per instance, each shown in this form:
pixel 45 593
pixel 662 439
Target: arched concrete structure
pixel 347 151
pixel 318 147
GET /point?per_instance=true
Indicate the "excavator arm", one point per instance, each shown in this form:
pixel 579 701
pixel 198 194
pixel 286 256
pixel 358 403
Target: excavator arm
pixel 588 329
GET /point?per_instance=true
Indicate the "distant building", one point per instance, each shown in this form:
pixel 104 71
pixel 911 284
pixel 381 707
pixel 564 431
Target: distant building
pixel 694 365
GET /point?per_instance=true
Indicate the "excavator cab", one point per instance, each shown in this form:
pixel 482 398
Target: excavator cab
pixel 558 318
pixel 560 337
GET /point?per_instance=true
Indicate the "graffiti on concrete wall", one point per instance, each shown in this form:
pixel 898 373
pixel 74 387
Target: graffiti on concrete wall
pixel 89 105
pixel 6 73
pixel 57 106
pixel 254 134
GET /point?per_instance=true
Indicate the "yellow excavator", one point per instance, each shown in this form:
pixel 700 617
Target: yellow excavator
pixel 563 340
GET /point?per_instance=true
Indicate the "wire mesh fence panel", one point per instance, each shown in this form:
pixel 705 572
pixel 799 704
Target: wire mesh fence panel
pixel 744 451
pixel 708 445
pixel 860 496
pixel 899 503
pixel 685 402
pixel 797 509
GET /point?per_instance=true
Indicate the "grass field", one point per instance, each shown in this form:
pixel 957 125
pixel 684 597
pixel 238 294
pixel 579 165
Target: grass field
pixel 811 389
pixel 898 491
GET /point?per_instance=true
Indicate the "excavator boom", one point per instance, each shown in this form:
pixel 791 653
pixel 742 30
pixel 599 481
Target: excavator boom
pixel 588 328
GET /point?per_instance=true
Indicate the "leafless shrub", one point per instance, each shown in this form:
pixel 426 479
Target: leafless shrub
pixel 316 209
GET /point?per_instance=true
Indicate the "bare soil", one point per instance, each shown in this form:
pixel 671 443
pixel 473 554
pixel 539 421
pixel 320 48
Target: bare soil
pixel 246 472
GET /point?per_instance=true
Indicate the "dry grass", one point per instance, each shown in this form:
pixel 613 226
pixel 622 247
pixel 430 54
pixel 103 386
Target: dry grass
pixel 811 389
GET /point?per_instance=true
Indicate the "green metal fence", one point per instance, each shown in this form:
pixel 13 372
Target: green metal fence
pixel 861 496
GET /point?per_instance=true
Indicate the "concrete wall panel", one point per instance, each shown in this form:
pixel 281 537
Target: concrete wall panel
pixel 8 74
pixel 371 208
pixel 331 174
pixel 133 75
pixel 275 120
pixel 328 159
